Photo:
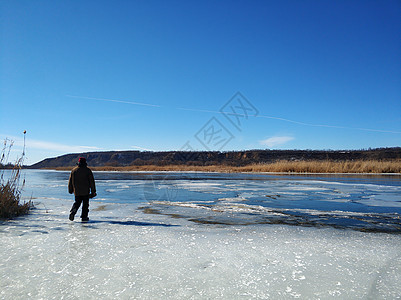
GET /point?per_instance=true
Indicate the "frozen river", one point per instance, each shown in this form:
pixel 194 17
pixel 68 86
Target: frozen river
pixel 207 236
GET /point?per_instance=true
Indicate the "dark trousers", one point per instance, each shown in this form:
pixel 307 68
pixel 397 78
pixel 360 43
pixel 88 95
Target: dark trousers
pixel 85 206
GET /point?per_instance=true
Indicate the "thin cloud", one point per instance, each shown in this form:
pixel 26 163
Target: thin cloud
pixel 50 146
pixel 276 141
pixel 43 145
pixel 141 148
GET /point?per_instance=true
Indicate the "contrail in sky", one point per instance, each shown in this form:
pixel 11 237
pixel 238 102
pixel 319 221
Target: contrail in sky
pixel 240 115
pixel 290 121
pixel 113 100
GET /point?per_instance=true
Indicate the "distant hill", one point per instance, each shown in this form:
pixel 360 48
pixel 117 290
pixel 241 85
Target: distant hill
pixel 207 158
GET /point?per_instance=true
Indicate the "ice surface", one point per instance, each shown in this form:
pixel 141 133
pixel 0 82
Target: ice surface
pixel 370 204
pixel 125 253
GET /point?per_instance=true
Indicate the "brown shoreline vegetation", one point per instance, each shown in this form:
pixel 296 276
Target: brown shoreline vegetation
pixel 281 166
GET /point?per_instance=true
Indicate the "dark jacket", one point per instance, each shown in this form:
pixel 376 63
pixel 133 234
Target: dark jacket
pixel 81 181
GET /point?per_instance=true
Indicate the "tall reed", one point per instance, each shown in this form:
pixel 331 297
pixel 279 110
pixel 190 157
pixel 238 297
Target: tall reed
pixel 281 166
pixel 11 185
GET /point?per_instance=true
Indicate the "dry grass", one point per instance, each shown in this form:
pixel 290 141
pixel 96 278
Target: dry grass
pixel 10 205
pixel 282 166
pixel 327 166
pixel 10 188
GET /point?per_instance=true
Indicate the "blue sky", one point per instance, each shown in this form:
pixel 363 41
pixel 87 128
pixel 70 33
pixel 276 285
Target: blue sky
pixel 161 75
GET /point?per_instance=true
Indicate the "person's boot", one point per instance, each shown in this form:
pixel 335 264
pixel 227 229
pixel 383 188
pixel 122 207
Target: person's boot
pixel 72 214
pixel 85 219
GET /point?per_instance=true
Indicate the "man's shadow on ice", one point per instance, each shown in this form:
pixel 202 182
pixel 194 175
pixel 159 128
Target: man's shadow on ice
pixel 131 223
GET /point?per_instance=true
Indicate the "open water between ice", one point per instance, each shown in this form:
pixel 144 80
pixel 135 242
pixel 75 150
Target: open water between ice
pixel 207 236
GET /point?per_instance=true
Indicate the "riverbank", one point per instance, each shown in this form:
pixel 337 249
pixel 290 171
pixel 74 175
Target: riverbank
pixel 282 166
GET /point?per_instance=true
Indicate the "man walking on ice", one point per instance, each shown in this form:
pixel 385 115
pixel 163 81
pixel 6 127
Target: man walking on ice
pixel 82 184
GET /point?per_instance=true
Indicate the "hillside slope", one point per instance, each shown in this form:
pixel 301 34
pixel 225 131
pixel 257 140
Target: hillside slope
pixel 207 158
